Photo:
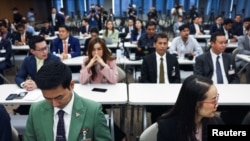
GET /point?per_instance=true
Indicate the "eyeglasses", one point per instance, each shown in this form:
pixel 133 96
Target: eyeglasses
pixel 214 102
pixel 42 49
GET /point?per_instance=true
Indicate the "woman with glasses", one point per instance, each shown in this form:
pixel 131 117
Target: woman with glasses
pixel 194 109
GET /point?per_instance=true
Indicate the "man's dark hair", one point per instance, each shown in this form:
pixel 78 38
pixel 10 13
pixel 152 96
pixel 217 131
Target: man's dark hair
pixel 248 27
pixel 20 26
pixel 94 30
pixel 35 39
pixel 64 26
pixel 215 34
pixel 52 75
pixel 160 35
pixel 182 27
pixel 227 21
pixel 150 23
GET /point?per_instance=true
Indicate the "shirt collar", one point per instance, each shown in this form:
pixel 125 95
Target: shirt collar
pixel 158 57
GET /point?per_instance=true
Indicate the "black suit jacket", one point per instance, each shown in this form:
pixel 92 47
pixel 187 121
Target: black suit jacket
pixel 167 128
pixel 204 66
pixel 193 31
pixel 59 20
pixel 6 45
pixel 238 31
pixel 214 28
pixel 84 29
pixel 149 69
pixel 17 37
pixel 47 31
pixel 230 34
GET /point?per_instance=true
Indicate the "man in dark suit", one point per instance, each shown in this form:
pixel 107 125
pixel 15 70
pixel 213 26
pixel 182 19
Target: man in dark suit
pixel 56 19
pixel 85 29
pixel 216 59
pixel 130 27
pixel 94 33
pixel 5 34
pixel 31 64
pixel 227 30
pixel 153 72
pixel 66 115
pixel 241 30
pixel 66 46
pixel 217 25
pixel 5 128
pixel 195 28
pixel 6 53
pixel 21 37
pixel 47 30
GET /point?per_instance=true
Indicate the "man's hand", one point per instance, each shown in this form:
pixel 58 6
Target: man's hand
pixel 29 85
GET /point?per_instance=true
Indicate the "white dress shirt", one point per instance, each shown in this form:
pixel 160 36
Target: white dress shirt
pixel 67 117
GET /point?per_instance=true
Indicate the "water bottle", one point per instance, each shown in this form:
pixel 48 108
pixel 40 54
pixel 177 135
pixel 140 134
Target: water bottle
pixel 182 52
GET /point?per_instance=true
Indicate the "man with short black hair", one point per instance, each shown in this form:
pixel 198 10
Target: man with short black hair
pixel 66 115
pixel 31 64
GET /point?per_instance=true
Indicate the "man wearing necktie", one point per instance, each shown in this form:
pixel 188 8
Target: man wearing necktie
pixel 21 37
pixel 66 46
pixel 63 115
pixel 220 67
pixel 159 67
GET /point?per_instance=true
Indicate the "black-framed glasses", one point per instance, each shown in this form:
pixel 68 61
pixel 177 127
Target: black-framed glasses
pixel 42 49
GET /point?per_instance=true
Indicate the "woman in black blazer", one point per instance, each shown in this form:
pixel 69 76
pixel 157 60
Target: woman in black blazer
pixel 194 109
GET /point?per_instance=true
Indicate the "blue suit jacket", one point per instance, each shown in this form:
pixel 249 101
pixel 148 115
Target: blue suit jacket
pixel 6 45
pixel 73 46
pixel 84 29
pixel 28 68
pixel 193 31
pixel 5 128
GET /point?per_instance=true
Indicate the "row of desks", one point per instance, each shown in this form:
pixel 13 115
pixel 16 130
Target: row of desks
pixel 135 94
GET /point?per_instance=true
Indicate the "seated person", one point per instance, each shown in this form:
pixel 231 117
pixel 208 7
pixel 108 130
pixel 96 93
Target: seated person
pixel 31 64
pixel 145 42
pixel 94 33
pixel 21 37
pixel 138 31
pixel 85 29
pixel 5 128
pixel 185 44
pixel 4 33
pixel 66 46
pixel 63 115
pixel 47 30
pixel 100 67
pixel 153 72
pixel 111 32
pixel 176 26
pixel 130 27
pixel 194 109
pixel 6 53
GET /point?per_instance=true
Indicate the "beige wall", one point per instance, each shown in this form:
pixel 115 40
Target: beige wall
pixel 41 7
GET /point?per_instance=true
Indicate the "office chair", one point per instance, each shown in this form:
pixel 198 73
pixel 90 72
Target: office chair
pixel 150 134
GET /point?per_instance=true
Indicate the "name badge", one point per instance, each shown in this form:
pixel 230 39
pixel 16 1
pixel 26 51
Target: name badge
pixel 231 71
pixel 2 51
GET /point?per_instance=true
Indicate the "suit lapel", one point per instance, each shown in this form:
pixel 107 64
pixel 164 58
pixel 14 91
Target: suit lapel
pixel 210 64
pixel 47 116
pixel 154 67
pixel 77 118
pixel 225 63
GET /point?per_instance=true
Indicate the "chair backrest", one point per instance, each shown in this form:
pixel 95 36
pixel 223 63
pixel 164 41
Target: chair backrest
pixel 150 134
pixel 121 74
pixel 235 52
pixel 15 135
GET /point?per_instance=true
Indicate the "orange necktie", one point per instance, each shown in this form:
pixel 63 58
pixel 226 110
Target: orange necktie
pixel 65 47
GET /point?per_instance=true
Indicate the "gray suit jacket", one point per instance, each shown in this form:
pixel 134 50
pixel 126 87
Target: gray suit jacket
pixel 243 48
pixel 204 66
pixel 85 114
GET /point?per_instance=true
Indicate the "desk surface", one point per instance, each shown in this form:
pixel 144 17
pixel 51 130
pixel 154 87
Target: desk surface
pixel 166 94
pixel 24 47
pixel 115 94
pixel 243 57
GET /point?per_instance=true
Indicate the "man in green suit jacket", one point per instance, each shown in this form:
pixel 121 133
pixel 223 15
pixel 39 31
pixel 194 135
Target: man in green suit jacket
pixel 83 118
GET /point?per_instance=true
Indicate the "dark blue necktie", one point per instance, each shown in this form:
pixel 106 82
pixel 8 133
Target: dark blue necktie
pixel 218 71
pixel 60 134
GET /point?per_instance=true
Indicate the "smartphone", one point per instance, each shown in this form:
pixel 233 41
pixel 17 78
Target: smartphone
pixel 99 90
pixel 21 95
pixel 11 96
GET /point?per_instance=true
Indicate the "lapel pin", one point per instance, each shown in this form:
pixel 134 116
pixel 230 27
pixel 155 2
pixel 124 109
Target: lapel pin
pixel 77 114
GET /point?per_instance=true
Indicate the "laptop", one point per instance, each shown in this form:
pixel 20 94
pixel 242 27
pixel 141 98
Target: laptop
pixel 108 41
